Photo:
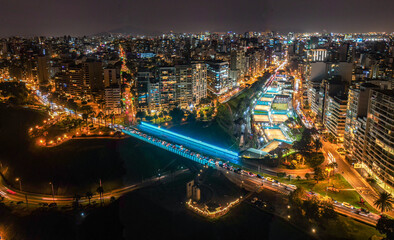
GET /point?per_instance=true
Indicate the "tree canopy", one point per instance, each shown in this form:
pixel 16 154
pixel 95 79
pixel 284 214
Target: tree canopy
pixel 384 202
pixel 176 114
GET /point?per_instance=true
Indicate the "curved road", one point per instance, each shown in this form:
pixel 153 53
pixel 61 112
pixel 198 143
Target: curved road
pixel 252 183
pixel 15 196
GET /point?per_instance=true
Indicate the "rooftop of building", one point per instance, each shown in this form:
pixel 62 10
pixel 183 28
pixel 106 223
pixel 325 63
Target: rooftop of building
pixel 369 85
pixel 217 62
pixel 388 92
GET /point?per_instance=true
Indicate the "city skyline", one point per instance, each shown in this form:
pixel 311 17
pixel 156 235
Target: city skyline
pixel 26 18
pixel 196 119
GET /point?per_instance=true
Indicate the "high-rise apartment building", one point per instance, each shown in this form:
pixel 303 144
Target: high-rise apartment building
pixel 191 84
pixel 317 55
pixel 237 62
pixel 379 141
pixel 81 81
pixel 335 116
pixel 342 69
pixel 113 96
pixel 184 87
pixel 43 70
pixel 318 71
pixel 199 82
pixel 218 76
pixel 164 88
pixel 356 146
pixel 142 90
pixel 167 84
pixel 76 81
pixel 93 77
pixel 111 76
pixel 357 107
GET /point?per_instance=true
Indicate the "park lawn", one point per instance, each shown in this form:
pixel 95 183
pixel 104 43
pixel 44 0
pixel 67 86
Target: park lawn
pixel 279 106
pixel 295 134
pixel 347 228
pixel 298 137
pixel 299 166
pixel 350 196
pixel 290 151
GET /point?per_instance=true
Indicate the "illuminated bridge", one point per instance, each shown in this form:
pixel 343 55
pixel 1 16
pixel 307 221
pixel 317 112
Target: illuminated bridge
pixel 200 159
pixel 193 144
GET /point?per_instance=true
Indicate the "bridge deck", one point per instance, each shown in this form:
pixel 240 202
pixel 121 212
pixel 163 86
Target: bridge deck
pixel 190 143
pixel 170 147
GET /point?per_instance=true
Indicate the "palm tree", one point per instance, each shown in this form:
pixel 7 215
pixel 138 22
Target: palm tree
pixel 111 116
pixel 77 197
pixel 100 116
pixel 87 111
pixel 105 119
pixel 91 115
pixel 384 202
pixel 85 117
pixel 155 117
pixel 89 196
pixel 318 145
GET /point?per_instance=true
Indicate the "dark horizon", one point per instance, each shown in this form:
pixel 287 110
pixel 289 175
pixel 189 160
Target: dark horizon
pixel 77 18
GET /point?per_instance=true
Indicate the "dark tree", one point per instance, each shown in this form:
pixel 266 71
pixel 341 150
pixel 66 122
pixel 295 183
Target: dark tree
pixel 327 211
pixel 318 174
pixel 384 202
pixel 191 118
pixel 296 196
pixel 386 226
pixel 304 145
pixel 140 114
pixel 318 145
pixel 176 114
pixel 311 208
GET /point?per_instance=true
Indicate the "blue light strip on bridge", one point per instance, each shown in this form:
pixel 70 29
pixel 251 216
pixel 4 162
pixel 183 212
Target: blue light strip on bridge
pixel 183 154
pixel 194 141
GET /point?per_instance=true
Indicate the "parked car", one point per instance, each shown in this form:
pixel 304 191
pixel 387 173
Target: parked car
pixel 364 210
pixel 345 204
pixel 270 179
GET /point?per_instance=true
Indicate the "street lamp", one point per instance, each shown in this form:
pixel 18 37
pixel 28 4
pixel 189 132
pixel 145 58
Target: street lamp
pixel 20 188
pixel 53 192
pixel 20 183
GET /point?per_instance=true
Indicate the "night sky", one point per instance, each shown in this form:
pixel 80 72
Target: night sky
pixel 85 17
